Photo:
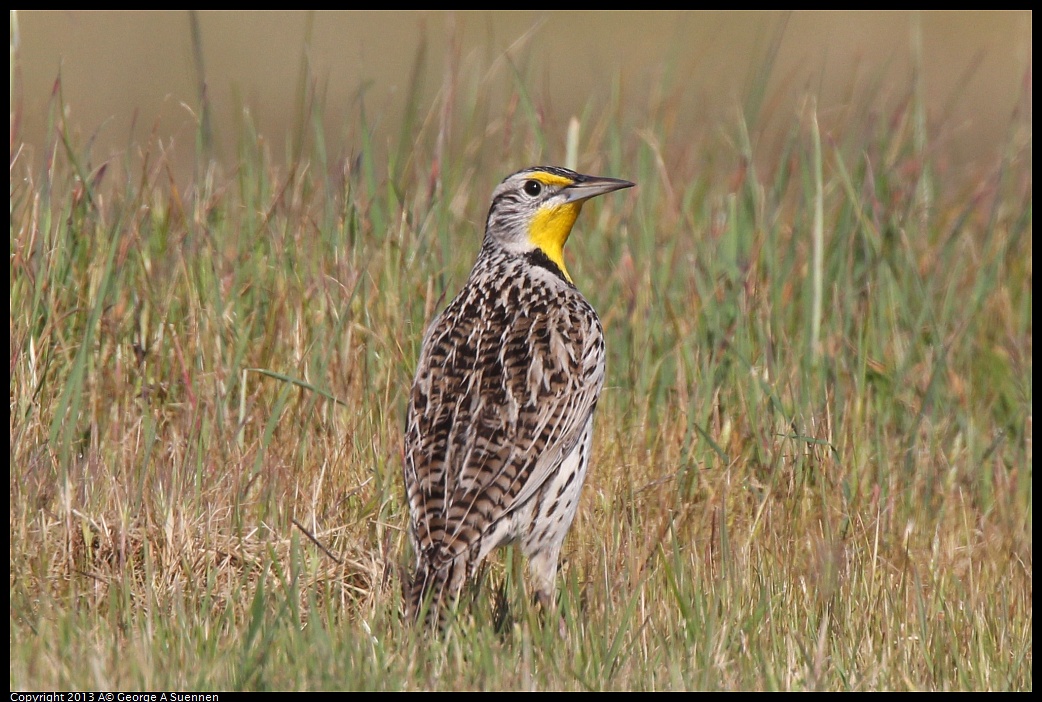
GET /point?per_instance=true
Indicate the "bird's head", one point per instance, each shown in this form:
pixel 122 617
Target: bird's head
pixel 534 209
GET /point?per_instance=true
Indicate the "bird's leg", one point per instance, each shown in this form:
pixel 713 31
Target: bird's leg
pixel 542 567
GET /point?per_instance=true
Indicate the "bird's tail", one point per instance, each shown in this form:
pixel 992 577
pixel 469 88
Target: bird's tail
pixel 433 592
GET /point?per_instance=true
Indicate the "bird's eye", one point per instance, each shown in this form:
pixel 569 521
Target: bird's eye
pixel 533 187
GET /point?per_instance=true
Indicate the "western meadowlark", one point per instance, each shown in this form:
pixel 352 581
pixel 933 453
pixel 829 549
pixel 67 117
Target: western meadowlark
pixel 499 426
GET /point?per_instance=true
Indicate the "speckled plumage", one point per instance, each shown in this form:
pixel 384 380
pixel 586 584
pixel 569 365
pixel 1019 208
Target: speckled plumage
pixel 499 425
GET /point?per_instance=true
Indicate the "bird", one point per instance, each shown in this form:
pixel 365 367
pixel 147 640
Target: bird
pixel 499 425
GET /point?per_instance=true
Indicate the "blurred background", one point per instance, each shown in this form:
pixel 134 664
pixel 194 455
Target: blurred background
pixel 133 76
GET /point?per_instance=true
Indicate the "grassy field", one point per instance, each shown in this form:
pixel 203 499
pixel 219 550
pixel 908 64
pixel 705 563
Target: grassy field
pixel 813 463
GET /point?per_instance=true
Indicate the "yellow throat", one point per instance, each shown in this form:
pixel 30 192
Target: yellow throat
pixel 550 229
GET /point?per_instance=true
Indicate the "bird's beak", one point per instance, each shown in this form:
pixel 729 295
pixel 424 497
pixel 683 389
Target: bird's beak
pixel 592 186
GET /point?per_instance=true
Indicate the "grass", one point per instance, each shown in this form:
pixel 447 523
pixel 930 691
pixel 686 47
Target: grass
pixel 813 462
